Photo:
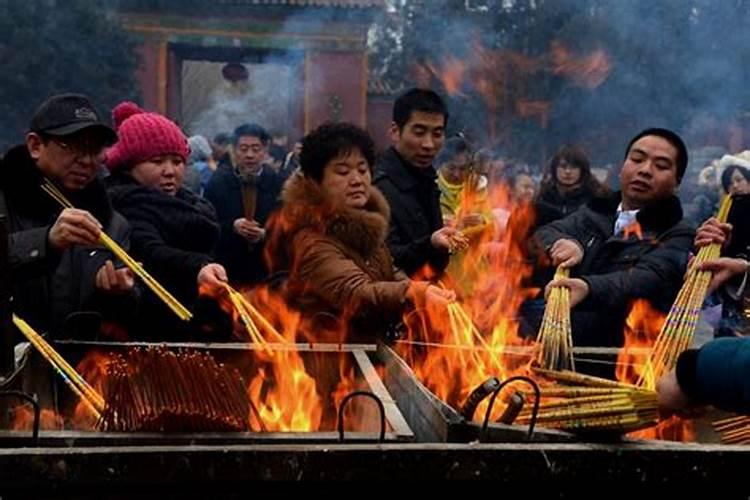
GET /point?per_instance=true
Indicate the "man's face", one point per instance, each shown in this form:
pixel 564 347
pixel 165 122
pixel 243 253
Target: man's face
pixel 249 153
pixel 649 172
pixel 71 161
pixel 421 138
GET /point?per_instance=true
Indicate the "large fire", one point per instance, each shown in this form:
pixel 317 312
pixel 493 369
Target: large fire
pixel 453 352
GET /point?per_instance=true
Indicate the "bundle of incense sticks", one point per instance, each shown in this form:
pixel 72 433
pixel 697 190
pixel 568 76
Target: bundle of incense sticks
pixel 555 339
pixel 249 316
pixel 159 390
pixel 181 311
pixel 734 430
pixel 676 334
pixel 585 403
pixel 70 376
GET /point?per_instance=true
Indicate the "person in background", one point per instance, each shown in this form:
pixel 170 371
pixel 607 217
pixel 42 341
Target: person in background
pixel 735 179
pixel 244 195
pixel 174 230
pixel 58 265
pixel 200 165
pixel 291 162
pixel 417 238
pixel 221 147
pixel 567 185
pixel 334 224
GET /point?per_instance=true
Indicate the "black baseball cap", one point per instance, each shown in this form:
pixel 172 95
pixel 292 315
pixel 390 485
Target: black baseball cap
pixel 66 114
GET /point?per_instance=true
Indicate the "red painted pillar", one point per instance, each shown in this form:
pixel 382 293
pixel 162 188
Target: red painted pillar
pixel 335 88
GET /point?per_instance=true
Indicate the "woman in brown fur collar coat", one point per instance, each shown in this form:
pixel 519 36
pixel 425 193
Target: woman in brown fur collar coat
pixel 333 226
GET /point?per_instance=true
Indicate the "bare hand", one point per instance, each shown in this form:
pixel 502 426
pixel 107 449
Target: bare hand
pixel 713 231
pixel 566 253
pixel 670 396
pixel 579 289
pixel 211 277
pixel 74 227
pixel 111 280
pixel 723 269
pixel 251 230
pixel 442 238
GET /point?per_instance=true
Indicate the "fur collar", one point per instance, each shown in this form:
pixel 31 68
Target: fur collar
pixel 306 206
pixel 656 217
pixel 21 181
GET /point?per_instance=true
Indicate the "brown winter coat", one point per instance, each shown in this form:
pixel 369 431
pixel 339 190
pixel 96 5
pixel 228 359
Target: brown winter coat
pixel 339 263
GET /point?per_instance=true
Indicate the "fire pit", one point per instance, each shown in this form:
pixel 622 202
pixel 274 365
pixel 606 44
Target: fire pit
pixel 342 369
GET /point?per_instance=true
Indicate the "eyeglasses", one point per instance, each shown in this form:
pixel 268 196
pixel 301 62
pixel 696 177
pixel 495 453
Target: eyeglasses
pixel 80 149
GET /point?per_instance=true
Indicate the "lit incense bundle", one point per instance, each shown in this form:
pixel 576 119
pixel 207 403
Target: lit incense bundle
pixel 677 332
pixel 555 338
pixel 181 311
pixel 249 315
pixel 72 378
pixel 583 403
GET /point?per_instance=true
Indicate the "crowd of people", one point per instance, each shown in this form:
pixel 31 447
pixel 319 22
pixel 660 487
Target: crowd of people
pixel 343 232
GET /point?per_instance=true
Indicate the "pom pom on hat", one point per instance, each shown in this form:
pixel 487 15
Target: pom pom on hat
pixel 123 111
pixel 143 136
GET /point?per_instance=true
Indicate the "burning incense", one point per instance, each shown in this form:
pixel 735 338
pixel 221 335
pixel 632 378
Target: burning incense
pixel 70 376
pixel 181 311
pixel 677 333
pixel 555 337
pixel 587 403
pixel 249 315
pixel 159 390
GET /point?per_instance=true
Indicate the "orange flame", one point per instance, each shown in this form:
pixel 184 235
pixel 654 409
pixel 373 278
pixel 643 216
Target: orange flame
pixel 642 326
pixel 452 352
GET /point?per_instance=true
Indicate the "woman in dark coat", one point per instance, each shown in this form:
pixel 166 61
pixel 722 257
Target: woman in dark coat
pixel 174 230
pixel 567 185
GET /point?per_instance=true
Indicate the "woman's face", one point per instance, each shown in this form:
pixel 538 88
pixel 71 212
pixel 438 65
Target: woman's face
pixel 738 184
pixel 164 173
pixel 347 179
pixel 568 174
pixel 523 189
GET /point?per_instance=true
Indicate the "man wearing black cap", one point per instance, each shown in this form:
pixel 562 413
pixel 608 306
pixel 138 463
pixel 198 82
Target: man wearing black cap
pixel 626 246
pixel 57 264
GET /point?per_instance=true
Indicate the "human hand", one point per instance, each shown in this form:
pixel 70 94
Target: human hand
pixel 723 269
pixel 566 253
pixel 579 289
pixel 74 227
pixel 111 280
pixel 713 231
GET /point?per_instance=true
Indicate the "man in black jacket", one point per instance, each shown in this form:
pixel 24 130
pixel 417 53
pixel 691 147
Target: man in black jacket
pixel 630 245
pixel 407 178
pixel 57 263
pixel 244 196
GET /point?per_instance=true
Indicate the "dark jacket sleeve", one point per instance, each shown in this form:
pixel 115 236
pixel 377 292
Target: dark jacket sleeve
pixel 570 227
pixel 409 255
pixel 648 278
pixel 718 374
pixel 29 252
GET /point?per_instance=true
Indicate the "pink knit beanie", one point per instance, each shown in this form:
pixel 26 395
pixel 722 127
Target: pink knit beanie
pixel 142 136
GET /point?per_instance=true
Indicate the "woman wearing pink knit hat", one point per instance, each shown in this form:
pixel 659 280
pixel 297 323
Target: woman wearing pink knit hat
pixel 174 230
